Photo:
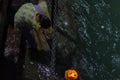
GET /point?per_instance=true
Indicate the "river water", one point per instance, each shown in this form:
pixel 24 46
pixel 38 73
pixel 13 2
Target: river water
pixel 94 27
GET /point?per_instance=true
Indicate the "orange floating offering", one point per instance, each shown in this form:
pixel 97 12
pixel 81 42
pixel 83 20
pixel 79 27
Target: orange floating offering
pixel 71 74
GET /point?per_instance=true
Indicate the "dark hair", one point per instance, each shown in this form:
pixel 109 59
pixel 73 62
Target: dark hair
pixel 35 2
pixel 44 21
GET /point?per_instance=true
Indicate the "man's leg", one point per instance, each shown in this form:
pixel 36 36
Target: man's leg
pixel 26 33
pixel 42 56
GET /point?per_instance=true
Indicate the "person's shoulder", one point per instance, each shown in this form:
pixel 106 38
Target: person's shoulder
pixel 27 4
pixel 42 4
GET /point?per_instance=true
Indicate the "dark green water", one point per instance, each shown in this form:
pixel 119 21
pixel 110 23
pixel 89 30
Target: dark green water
pixel 98 24
pixel 95 24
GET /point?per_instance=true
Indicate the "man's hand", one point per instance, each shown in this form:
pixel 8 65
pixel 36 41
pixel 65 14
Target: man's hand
pixel 44 39
pixel 49 40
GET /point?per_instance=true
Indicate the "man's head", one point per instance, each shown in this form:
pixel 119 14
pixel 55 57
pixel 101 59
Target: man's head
pixel 44 21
